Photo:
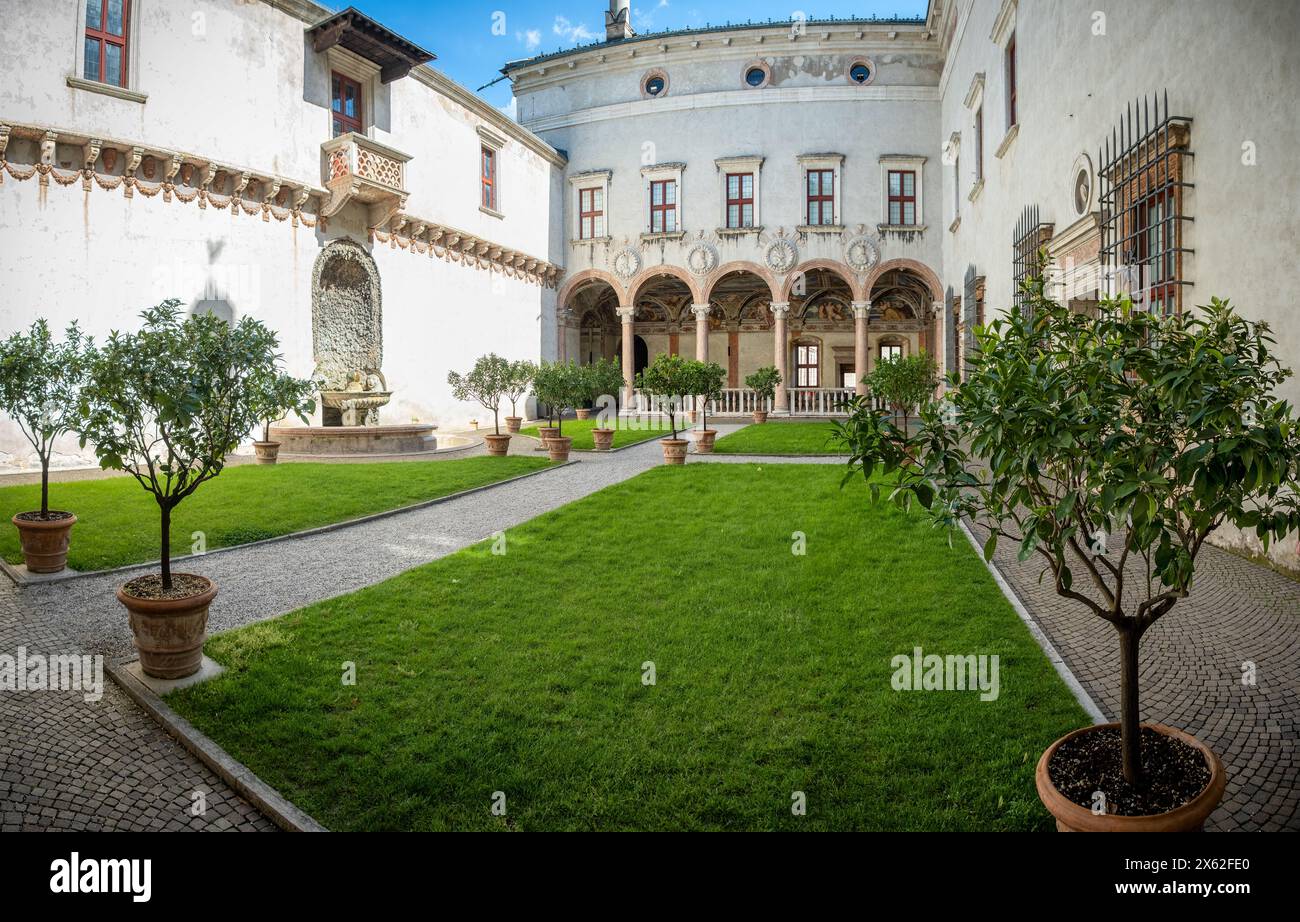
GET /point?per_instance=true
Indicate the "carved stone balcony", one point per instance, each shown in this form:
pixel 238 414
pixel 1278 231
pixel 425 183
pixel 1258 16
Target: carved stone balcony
pixel 358 169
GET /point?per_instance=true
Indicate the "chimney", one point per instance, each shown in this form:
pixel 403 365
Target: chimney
pixel 618 21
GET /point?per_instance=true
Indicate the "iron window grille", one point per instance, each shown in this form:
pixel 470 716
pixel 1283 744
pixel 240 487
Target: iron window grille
pixel 1030 237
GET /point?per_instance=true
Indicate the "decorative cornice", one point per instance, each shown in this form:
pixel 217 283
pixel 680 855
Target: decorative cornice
pixel 976 91
pixel 422 237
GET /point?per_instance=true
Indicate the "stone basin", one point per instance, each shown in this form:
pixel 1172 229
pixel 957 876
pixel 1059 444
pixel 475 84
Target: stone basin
pixel 355 440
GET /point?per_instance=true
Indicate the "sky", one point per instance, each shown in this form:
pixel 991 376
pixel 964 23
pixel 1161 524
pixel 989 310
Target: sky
pixel 474 38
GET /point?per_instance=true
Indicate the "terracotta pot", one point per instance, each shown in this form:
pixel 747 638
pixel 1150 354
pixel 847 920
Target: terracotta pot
pixel 169 633
pixel 558 447
pixel 513 423
pixel 45 544
pixel 497 445
pixel 604 439
pixel 266 452
pixel 583 412
pixel 1190 817
pixel 674 450
pixel 760 416
pixel 546 433
pixel 704 441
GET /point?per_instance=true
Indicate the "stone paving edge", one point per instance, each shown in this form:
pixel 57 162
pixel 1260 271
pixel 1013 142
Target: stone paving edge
pixel 277 808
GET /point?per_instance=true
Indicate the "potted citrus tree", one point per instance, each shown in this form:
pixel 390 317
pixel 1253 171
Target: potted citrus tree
pixel 521 379
pixel 559 386
pixel 486 383
pixel 604 381
pixel 904 383
pixel 284 391
pixel 166 404
pixel 763 383
pixel 667 379
pixel 709 379
pixel 40 382
pixel 1108 448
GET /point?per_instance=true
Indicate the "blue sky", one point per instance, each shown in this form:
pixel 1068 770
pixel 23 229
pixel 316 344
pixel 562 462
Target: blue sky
pixel 471 51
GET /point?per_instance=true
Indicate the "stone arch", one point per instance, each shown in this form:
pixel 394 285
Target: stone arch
pixel 677 272
pixel 575 281
pixel 845 274
pixel 347 333
pixel 924 272
pixel 740 265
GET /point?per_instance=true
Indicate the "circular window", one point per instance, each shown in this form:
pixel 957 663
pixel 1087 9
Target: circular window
pixel 755 76
pixel 859 73
pixel 654 86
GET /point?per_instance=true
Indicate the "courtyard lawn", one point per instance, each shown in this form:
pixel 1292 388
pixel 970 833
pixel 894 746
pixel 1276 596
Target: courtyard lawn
pixel 580 431
pixel 118 522
pixel 781 438
pixel 523 673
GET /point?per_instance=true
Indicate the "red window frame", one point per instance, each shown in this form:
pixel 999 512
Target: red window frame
pixel 740 200
pixel 588 212
pixel 664 208
pixel 807 365
pixel 979 143
pixel 488 177
pixel 341 121
pixel 106 38
pixel 902 199
pixel 823 197
pixel 1011 82
pixel 1155 251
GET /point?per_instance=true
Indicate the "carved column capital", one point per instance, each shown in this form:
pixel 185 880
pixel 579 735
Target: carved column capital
pixel 701 311
pixel 861 310
pixel 625 314
pixel 779 309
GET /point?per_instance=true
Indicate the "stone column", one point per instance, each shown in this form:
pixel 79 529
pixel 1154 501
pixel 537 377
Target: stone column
pixel 563 317
pixel 780 309
pixel 625 314
pixel 701 312
pixel 939 350
pixel 861 311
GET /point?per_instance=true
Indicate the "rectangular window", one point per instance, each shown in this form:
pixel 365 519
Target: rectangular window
pixel 821 197
pixel 956 185
pixel 663 206
pixel 1155 253
pixel 489 178
pixel 106 22
pixel 979 144
pixel 591 213
pixel 902 197
pixel 1011 82
pixel 740 200
pixel 890 351
pixel 345 102
pixel 806 366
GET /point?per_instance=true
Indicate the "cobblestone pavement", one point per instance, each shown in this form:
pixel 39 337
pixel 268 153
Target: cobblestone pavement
pixel 71 764
pixel 1193 660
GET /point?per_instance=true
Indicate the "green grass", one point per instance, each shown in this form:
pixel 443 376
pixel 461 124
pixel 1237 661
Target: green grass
pixel 780 438
pixel 580 431
pixel 118 522
pixel 522 673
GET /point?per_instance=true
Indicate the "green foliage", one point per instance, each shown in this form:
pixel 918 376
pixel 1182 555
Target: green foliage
pixel 487 382
pixel 707 380
pixel 40 387
pixel 520 380
pixel 904 383
pixel 559 385
pixel 1072 428
pixel 166 404
pixel 601 379
pixel 764 382
pixel 668 378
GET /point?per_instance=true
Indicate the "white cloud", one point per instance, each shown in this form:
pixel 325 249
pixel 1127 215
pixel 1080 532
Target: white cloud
pixel 530 38
pixel 570 32
pixel 511 109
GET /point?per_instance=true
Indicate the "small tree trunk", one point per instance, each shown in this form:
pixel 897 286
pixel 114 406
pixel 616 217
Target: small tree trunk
pixel 166 558
pixel 1130 729
pixel 45 485
pixel 496 424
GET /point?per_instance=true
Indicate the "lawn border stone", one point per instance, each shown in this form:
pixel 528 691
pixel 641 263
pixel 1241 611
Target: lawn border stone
pixel 265 798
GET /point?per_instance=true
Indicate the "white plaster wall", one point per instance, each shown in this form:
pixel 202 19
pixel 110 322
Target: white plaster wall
pixel 238 83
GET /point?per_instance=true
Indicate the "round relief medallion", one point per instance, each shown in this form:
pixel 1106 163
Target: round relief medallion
pixel 1081 181
pixel 626 262
pixel 861 254
pixel 781 255
pixel 701 258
